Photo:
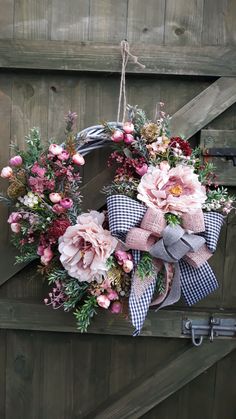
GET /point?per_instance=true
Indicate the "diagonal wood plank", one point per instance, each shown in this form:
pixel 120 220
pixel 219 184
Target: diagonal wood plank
pixel 149 391
pixel 205 107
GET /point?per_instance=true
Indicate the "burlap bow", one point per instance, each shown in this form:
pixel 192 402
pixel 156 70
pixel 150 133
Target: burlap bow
pixel 183 251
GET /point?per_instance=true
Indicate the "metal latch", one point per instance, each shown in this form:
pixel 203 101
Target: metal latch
pixel 213 327
pixel 227 152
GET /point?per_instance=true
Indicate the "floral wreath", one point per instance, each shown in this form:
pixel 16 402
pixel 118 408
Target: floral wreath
pixel 162 223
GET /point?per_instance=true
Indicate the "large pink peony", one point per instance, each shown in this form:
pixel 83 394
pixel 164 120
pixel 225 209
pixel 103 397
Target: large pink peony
pixel 175 190
pixel 86 246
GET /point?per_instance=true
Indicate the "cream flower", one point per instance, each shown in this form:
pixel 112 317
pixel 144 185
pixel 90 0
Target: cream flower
pixel 175 190
pixel 86 246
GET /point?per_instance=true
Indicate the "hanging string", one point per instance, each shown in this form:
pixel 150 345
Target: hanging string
pixel 126 55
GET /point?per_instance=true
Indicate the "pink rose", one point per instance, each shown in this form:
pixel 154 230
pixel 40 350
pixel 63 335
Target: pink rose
pixel 121 256
pixel 175 190
pixel 55 149
pixel 128 127
pixel 6 172
pixel 66 203
pixel 117 136
pixel 58 209
pixel 129 139
pixel 14 217
pixel 55 197
pixel 64 155
pixel 142 170
pixel 103 301
pixel 112 295
pixel 78 159
pixel 47 255
pixel 85 248
pixel 116 307
pixel 15 227
pixel 16 161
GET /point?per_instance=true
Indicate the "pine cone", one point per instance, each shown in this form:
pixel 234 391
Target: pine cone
pixel 15 190
pixel 150 132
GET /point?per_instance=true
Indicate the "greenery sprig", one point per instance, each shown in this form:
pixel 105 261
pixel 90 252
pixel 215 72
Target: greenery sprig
pixel 85 313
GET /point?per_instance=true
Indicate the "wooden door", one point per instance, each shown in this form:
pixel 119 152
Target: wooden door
pixel 57 56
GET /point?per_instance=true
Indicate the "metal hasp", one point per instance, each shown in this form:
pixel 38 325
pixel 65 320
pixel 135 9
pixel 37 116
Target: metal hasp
pixel 212 327
pixel 228 152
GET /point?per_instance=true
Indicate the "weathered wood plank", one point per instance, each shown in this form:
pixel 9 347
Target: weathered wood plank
pixel 99 57
pixel 205 107
pixel 225 169
pixel 107 20
pixel 6 19
pixel 219 22
pixel 70 20
pixel 145 22
pixel 32 19
pixel 3 356
pixel 16 314
pixel 148 392
pixel 183 22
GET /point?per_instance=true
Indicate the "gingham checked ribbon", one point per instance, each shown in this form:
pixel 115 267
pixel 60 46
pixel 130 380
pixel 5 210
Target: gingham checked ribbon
pixel 196 283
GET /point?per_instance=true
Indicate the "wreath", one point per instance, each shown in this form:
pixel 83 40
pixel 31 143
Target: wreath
pixel 163 218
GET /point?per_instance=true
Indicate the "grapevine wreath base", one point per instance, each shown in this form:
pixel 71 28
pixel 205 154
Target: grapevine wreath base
pixel 163 219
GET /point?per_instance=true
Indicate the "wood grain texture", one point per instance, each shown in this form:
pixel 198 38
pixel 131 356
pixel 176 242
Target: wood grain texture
pixel 100 57
pixel 145 21
pixel 224 167
pixel 6 19
pixel 107 20
pixel 32 19
pixel 205 107
pixel 183 22
pixel 18 314
pixel 70 21
pixel 3 355
pixel 148 392
pixel 219 22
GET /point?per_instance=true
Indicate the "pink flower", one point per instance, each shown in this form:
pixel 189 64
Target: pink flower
pixel 85 248
pixel 6 172
pixel 37 170
pixel 129 139
pixel 55 149
pixel 14 217
pixel 116 307
pixel 142 169
pixel 121 256
pixel 47 255
pixel 55 197
pixel 78 159
pixel 16 161
pixel 128 127
pixel 175 190
pixel 66 203
pixel 112 295
pixel 58 209
pixel 64 155
pixel 117 136
pixel 103 301
pixel 128 266
pixel 15 227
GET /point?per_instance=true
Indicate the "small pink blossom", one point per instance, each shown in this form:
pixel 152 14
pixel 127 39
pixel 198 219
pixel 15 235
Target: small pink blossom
pixel 64 155
pixel 15 227
pixel 117 136
pixel 121 256
pixel 112 295
pixel 142 170
pixel 66 203
pixel 6 172
pixel 78 159
pixel 103 301
pixel 128 266
pixel 37 170
pixel 128 127
pixel 58 209
pixel 14 217
pixel 129 139
pixel 47 255
pixel 16 161
pixel 55 149
pixel 116 307
pixel 55 197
